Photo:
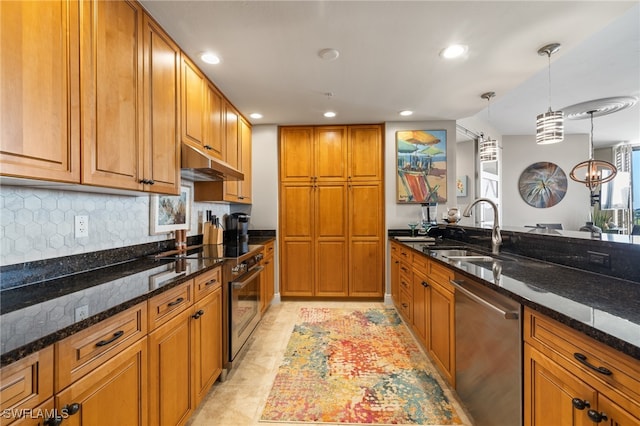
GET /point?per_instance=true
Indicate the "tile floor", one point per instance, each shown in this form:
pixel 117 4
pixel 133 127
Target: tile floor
pixel 239 400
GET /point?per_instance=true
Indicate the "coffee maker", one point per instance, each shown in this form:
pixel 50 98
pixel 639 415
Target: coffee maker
pixel 236 234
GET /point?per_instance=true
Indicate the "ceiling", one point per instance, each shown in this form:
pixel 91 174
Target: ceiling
pixel 389 59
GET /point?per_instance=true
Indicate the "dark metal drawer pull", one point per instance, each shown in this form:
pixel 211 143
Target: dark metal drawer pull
pixel 583 359
pixel 116 336
pixel 580 404
pixel 424 284
pixel 198 314
pixel 597 417
pixel 213 281
pixel 178 301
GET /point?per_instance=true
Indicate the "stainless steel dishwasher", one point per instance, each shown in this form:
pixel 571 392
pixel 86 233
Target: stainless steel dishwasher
pixel 488 354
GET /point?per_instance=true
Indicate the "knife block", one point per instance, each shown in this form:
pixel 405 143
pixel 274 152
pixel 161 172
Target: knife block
pixel 211 234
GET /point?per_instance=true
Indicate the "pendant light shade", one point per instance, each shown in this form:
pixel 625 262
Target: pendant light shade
pixel 549 125
pixel 488 148
pixel 593 172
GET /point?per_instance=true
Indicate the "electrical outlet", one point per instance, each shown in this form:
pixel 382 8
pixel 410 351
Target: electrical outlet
pixel 82 312
pixel 82 226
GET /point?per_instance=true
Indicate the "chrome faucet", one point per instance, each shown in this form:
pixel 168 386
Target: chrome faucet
pixel 496 238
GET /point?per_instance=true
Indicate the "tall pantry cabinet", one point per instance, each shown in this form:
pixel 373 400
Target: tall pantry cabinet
pixel 331 211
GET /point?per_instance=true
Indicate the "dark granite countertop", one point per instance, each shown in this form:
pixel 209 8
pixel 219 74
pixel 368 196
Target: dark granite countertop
pixel 36 315
pixel 603 307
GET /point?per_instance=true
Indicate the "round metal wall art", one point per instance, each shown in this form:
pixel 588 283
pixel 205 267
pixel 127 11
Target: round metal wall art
pixel 542 185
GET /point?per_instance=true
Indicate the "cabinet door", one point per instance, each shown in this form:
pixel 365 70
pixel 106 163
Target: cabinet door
pixel 297 249
pixel 161 151
pixel 111 87
pixel 296 154
pixel 244 192
pixel 395 279
pixel 612 414
pixel 549 391
pixel 269 282
pixel 365 240
pixel 192 93
pixel 114 393
pixel 441 333
pixel 39 90
pixel 232 151
pixel 330 153
pixel 330 236
pixel 365 153
pixel 171 398
pixel 207 340
pixel 26 384
pixel 213 122
pixel 38 416
pixel 421 299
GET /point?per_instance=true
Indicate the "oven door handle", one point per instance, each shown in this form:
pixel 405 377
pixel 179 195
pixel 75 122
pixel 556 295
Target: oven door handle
pixel 237 285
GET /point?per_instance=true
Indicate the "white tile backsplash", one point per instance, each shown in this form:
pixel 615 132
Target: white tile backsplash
pixel 38 224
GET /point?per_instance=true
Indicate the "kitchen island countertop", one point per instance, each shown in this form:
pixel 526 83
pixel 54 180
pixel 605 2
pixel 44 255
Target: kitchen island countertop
pixel 602 307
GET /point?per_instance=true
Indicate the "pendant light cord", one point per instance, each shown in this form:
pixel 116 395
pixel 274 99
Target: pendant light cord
pixel 549 77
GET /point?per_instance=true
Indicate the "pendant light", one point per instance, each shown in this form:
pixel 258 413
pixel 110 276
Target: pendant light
pixel 549 125
pixel 488 148
pixel 595 172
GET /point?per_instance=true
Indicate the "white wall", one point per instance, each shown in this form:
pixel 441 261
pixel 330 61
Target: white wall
pixel 519 152
pixel 265 177
pixel 399 215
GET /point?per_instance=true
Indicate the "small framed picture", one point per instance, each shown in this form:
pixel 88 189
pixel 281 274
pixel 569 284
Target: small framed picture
pixel 170 212
pixel 461 186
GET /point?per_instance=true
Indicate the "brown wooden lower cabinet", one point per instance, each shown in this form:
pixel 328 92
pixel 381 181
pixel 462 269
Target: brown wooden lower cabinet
pixel 207 342
pixel 171 397
pixel 114 393
pixel 559 389
pixel 38 416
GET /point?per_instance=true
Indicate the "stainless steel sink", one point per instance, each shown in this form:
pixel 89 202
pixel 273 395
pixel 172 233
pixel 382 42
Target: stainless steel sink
pixel 473 258
pixel 465 255
pixel 416 239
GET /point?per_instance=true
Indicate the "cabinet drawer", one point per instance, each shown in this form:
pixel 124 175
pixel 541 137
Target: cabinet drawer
pixel 405 253
pixel 564 345
pixel 82 352
pixel 37 416
pixel 421 263
pixel 167 305
pixel 405 306
pixel 207 282
pixel 269 249
pixel 406 282
pixel 442 275
pixel 26 383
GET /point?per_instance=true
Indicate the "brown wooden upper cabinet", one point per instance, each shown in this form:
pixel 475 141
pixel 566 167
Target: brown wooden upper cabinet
pixel 108 63
pixel 39 77
pixel 237 149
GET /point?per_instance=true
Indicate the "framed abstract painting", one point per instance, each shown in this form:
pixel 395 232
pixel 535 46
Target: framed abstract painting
pixel 542 185
pixel 421 160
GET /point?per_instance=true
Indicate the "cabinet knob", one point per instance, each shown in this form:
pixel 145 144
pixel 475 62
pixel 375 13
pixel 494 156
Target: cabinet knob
pixel 580 404
pixel 56 420
pixel 198 314
pixel 424 284
pixel 208 147
pixel 71 409
pixel 596 417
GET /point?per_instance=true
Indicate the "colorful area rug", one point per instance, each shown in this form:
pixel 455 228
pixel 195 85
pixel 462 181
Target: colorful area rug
pixel 356 366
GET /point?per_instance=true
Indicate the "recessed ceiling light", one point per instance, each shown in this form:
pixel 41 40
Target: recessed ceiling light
pixel 329 54
pixel 329 114
pixel 454 51
pixel 210 58
pixel 406 113
pixel 255 115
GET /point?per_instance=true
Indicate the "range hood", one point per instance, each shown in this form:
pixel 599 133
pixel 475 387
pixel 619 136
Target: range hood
pixel 198 165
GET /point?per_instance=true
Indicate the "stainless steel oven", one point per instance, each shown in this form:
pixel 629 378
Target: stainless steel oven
pixel 243 285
